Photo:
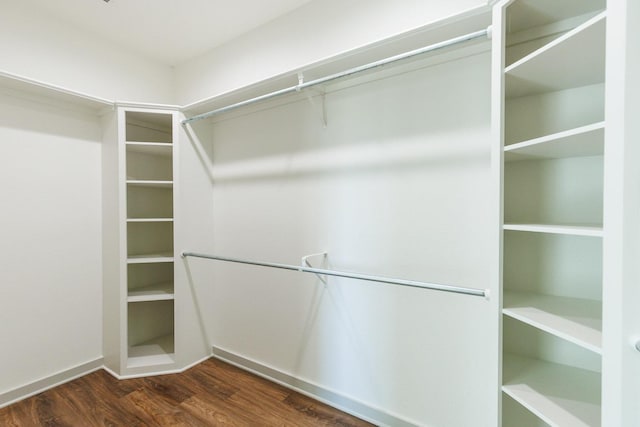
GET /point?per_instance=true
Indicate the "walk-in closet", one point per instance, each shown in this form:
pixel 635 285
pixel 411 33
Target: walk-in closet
pixel 318 212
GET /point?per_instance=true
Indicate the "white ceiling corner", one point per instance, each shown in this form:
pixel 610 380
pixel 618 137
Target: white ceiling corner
pixel 168 31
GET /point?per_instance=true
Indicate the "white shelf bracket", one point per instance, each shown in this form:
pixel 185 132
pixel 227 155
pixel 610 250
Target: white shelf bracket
pixel 305 263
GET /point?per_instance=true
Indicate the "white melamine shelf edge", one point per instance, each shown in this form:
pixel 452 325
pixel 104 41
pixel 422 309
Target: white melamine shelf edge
pixel 149 219
pixel 149 183
pixel 560 40
pixel 572 60
pixel 578 142
pixel 151 297
pixel 161 149
pixel 149 144
pixel 575 320
pixel 560 395
pixel 157 292
pixel 574 230
pixel 150 258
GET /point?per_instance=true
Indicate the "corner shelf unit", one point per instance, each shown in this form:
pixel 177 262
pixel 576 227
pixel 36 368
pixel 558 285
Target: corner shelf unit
pixel 145 294
pixel 148 141
pixel 552 127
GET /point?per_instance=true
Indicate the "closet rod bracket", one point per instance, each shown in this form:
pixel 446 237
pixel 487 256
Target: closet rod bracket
pixel 305 263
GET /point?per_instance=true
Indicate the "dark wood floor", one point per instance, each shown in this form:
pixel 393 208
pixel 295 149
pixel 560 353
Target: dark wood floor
pixel 212 393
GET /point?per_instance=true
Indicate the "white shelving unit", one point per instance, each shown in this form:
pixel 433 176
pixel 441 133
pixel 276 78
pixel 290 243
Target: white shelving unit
pixel 552 72
pixel 140 293
pixel 150 292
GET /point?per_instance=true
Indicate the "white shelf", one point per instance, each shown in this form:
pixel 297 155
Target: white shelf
pixel 150 258
pixel 31 87
pixel 572 60
pixel 159 351
pixel 573 230
pixel 560 395
pixel 576 320
pixel 527 14
pixel 154 148
pixel 157 292
pixel 150 183
pixel 149 144
pixel 579 142
pixel 149 219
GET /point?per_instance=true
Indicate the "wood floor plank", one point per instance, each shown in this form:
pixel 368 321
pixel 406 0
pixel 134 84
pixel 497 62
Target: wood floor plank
pixel 155 411
pixel 95 409
pixel 242 379
pixel 220 412
pixel 212 393
pixel 322 413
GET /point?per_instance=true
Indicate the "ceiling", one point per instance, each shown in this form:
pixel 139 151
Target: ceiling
pixel 168 31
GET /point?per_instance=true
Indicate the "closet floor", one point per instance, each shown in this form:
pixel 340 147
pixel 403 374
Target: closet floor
pixel 212 393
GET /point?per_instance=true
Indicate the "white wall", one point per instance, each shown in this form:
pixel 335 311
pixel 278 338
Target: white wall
pixel 35 46
pixel 397 185
pixel 316 31
pixel 50 256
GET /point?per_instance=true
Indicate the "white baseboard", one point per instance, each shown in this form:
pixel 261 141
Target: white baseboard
pixel 28 390
pixel 346 404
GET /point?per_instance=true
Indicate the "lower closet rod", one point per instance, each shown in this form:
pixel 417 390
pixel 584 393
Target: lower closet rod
pixel 320 271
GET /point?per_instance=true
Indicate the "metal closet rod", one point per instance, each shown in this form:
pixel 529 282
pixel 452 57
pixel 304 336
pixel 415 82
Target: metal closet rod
pixel 358 276
pixel 303 85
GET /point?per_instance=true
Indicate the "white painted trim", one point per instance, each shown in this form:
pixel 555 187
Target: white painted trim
pixel 322 394
pixel 12 396
pixel 146 105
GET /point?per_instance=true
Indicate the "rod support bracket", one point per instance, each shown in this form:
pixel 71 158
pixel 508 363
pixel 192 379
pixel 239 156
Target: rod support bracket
pixel 304 262
pixel 300 81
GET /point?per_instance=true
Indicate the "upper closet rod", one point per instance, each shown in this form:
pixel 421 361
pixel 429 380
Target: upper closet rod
pixel 324 272
pixel 302 85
